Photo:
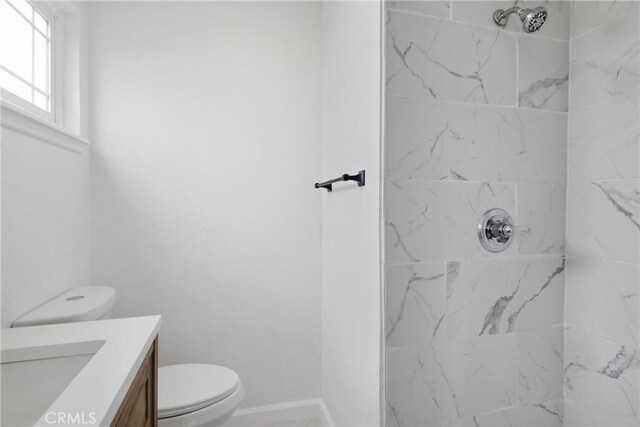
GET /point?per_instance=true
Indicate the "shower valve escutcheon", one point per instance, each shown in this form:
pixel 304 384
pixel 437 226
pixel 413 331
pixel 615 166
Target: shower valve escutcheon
pixel 496 230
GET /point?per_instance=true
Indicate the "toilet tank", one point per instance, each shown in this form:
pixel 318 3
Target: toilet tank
pixel 79 304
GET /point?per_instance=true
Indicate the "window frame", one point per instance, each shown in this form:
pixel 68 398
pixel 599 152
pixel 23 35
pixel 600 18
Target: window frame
pixel 16 101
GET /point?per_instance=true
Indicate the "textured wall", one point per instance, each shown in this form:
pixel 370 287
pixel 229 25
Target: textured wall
pixel 475 119
pixel 206 130
pixel 351 280
pixel 603 217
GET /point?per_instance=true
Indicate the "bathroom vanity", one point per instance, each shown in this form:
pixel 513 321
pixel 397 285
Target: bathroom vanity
pixel 140 405
pixel 101 373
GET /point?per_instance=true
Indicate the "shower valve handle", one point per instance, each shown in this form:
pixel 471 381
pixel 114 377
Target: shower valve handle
pixel 496 230
pixel 508 230
pixel 505 229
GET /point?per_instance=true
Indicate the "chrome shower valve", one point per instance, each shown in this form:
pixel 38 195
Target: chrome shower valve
pixel 496 230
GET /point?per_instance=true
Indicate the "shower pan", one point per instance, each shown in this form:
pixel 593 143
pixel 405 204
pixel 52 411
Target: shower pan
pixel 512 214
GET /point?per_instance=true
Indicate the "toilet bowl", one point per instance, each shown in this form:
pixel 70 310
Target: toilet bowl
pixel 191 394
pixel 197 395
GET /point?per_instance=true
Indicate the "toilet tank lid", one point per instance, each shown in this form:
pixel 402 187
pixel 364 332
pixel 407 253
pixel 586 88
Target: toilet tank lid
pixel 79 304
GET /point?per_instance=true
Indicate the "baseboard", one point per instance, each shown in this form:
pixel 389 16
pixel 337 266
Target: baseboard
pixel 281 413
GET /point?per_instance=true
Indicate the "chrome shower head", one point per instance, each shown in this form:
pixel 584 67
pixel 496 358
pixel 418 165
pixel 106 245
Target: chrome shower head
pixel 532 19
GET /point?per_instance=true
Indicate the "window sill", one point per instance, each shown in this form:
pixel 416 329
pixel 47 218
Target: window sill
pixel 21 121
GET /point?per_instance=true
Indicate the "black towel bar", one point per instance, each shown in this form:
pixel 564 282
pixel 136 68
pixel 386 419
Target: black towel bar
pixel 359 178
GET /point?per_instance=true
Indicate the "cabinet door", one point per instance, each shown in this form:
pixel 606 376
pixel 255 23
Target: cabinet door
pixel 140 406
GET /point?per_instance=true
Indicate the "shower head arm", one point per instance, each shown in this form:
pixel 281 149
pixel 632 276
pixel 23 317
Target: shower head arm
pixel 500 16
pixel 532 19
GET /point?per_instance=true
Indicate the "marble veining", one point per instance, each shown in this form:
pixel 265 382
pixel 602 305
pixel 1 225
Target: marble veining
pixel 627 203
pixel 602 372
pixel 605 63
pixel 513 317
pixel 419 390
pixel 547 414
pixel 433 221
pixel 539 93
pixel 541 206
pixel 497 297
pixel 484 373
pixel 614 203
pixel 596 286
pixel 415 301
pixel 416 139
pixel 604 141
pixel 489 143
pixel 625 359
pixel 478 118
pixel 543 74
pixel 603 376
pixel 587 15
pixel 445 60
pixel 540 364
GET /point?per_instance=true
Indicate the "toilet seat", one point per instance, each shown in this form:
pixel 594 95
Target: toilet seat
pixel 186 388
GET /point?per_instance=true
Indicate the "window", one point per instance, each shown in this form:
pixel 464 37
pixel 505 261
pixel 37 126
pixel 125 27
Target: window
pixel 25 56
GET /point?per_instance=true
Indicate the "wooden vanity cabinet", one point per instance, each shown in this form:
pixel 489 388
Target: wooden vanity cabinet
pixel 140 406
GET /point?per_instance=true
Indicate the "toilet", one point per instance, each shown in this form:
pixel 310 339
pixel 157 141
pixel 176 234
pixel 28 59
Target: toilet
pixel 189 395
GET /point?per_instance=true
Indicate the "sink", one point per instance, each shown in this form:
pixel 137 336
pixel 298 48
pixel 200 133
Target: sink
pixel 71 373
pixel 34 377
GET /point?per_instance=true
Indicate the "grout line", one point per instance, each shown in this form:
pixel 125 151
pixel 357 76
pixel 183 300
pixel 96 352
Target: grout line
pixel 489 258
pixel 512 33
pixel 489 181
pixel 436 100
pixel 580 330
pixel 599 259
pixel 606 101
pixel 624 14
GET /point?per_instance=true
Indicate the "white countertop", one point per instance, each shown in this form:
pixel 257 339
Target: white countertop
pixel 102 384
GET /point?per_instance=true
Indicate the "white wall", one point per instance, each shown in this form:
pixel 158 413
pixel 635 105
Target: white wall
pixel 206 130
pixel 45 190
pixel 351 219
pixel 45 221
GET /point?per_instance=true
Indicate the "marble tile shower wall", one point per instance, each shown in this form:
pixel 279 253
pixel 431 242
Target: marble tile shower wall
pixel 476 118
pixel 603 224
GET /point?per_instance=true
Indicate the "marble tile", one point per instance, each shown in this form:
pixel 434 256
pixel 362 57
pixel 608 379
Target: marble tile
pixel 541 206
pixel 543 74
pixel 547 414
pixel 480 12
pixel 419 390
pixel 435 221
pixel 484 373
pixel 604 141
pixel 506 144
pixel 604 63
pixel 540 365
pixel 415 298
pixel 497 297
pixel 428 57
pixel 416 138
pixel 603 376
pixel 577 416
pixel 440 8
pixel 603 219
pixel 302 422
pixel 587 15
pixel 604 298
